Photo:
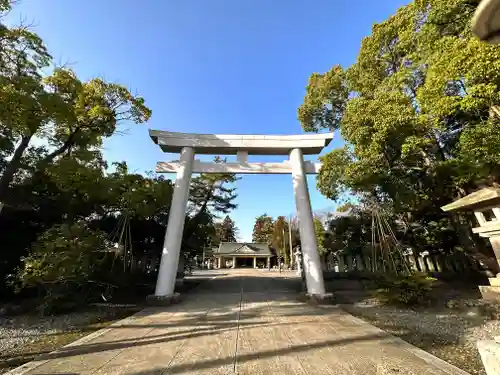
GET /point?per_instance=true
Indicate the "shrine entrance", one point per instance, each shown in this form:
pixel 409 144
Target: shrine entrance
pixel 187 144
pixel 244 263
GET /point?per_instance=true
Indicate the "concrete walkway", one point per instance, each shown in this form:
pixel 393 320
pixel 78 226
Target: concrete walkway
pixel 243 322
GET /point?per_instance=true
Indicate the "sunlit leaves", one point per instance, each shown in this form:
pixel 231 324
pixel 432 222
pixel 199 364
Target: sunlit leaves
pixel 90 111
pixel 420 117
pixel 422 92
pixel 325 100
pixel 64 253
pixel 331 180
pixel 319 231
pixel 263 229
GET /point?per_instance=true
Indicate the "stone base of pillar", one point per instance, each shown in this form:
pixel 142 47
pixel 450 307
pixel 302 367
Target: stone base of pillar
pixel 494 281
pixel 490 293
pixel 154 300
pixel 317 299
pixel 489 350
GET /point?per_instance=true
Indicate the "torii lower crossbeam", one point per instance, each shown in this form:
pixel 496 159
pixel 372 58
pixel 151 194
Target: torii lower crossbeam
pixel 238 168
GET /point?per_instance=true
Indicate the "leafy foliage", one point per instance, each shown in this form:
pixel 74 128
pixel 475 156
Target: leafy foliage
pixel 62 254
pixel 213 192
pixel 210 195
pixel 84 226
pixel 279 238
pixel 74 116
pixel 319 230
pixel 419 115
pixel 277 233
pixel 226 230
pixel 61 261
pixel 406 290
pixel 263 229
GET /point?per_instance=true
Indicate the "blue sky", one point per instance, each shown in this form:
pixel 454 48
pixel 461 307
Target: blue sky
pixel 209 66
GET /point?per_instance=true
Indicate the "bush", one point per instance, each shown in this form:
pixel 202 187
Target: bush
pixel 407 290
pixel 61 264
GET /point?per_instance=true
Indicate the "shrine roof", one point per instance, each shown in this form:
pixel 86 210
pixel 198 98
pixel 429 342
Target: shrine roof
pixel 243 248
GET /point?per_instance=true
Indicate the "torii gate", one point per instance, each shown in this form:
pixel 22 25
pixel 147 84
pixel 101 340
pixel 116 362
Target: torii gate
pixel 187 144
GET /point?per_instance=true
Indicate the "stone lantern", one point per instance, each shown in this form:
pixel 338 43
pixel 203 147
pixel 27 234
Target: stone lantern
pixel 298 260
pixel 485 204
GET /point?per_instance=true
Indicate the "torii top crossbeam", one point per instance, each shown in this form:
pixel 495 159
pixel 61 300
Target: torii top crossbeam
pixel 230 144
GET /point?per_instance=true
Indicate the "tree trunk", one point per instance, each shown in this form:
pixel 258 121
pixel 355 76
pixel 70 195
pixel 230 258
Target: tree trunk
pixel 70 142
pixel 61 150
pixel 13 166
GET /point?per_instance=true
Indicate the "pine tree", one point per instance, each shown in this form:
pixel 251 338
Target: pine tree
pixel 213 193
pixel 227 230
pixel 263 229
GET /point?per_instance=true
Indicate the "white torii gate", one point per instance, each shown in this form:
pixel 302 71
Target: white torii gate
pixel 187 144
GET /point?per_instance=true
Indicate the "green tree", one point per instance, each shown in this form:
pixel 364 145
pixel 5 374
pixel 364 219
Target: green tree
pixel 62 261
pixel 210 195
pixel 213 192
pixel 25 103
pixel 68 205
pixel 69 114
pixel 319 230
pixel 263 229
pixel 280 239
pixel 5 5
pixel 346 207
pixel 418 114
pixel 227 230
pixel 350 233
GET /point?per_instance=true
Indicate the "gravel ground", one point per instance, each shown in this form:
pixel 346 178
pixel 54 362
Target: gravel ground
pixel 18 330
pixel 448 333
pixel 23 336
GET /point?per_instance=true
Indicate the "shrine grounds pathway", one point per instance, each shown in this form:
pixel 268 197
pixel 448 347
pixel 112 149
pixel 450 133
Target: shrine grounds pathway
pixel 240 322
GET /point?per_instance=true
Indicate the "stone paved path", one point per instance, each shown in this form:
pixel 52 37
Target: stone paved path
pixel 241 322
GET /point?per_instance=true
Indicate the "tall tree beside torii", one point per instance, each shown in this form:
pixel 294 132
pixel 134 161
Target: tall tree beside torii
pixel 212 193
pixel 419 113
pixel 209 196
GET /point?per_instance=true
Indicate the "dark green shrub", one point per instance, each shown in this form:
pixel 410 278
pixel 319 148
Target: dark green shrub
pixel 62 264
pixel 408 290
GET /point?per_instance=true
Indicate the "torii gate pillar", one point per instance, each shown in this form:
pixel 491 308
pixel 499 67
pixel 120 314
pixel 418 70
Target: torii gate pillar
pixel 169 263
pixel 312 262
pixel 242 146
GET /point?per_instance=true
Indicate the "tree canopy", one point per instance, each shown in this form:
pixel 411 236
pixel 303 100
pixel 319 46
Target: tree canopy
pixel 85 223
pixel 279 238
pixel 418 111
pixel 263 229
pixel 227 231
